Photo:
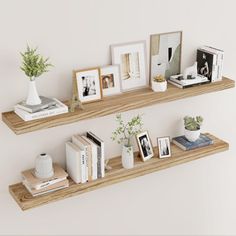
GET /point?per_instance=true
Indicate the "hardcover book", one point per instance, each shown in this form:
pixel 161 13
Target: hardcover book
pixel 184 144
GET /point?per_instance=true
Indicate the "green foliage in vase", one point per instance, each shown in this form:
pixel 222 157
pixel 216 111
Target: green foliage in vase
pixel 125 131
pixel 34 64
pixel 193 123
pixel 159 78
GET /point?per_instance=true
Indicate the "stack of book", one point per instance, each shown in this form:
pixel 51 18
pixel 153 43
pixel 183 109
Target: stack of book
pixel 210 62
pixel 85 159
pixel 48 107
pixel 184 144
pixel 38 186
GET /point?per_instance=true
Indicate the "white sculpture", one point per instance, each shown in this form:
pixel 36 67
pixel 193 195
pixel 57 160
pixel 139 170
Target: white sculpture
pixel 191 72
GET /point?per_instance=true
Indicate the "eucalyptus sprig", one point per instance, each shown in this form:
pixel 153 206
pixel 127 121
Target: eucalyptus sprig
pixel 34 64
pixel 125 131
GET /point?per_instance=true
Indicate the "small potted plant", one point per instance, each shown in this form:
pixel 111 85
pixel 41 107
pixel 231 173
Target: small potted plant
pixel 192 127
pixel 34 65
pixel 123 135
pixel 159 84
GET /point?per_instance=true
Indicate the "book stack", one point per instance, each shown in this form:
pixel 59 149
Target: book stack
pixel 85 159
pixel 38 186
pixel 184 144
pixel 210 62
pixel 48 107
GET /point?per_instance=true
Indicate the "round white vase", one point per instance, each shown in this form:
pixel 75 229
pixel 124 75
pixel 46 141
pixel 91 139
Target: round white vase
pixel 192 135
pixel 44 166
pixel 127 157
pixel 33 97
pixel 159 86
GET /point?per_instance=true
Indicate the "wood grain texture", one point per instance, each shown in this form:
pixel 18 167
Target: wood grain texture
pixel 115 104
pixel 117 174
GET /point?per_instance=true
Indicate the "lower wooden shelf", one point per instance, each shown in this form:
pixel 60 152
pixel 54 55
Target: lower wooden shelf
pixel 117 174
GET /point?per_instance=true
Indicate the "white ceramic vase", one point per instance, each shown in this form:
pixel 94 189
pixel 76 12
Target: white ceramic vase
pixel 159 86
pixel 33 97
pixel 192 136
pixel 44 166
pixel 127 157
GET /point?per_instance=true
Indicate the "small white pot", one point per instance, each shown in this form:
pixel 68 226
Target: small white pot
pixel 127 157
pixel 33 97
pixel 192 136
pixel 159 86
pixel 43 166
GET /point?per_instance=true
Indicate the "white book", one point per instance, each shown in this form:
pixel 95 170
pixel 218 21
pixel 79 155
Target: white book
pixel 101 153
pixel 185 82
pixel 59 108
pixel 82 144
pixel 94 157
pixel 75 158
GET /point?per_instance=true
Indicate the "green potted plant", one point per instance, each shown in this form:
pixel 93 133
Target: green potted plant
pixel 124 134
pixel 192 127
pixel 159 84
pixel 33 65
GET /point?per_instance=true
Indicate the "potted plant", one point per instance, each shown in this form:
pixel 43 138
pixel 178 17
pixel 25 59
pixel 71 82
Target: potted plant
pixel 33 66
pixel 192 127
pixel 123 135
pixel 159 84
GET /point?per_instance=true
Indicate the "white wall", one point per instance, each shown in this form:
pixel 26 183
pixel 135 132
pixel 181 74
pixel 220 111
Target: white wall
pixel 194 198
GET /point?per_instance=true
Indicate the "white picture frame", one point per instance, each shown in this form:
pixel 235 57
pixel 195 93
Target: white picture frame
pixel 110 79
pixel 164 147
pixel 88 85
pixel 132 59
pixel 145 146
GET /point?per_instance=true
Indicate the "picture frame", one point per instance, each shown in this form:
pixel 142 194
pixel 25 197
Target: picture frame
pixel 164 147
pixel 165 54
pixel 110 78
pixel 88 85
pixel 145 146
pixel 131 57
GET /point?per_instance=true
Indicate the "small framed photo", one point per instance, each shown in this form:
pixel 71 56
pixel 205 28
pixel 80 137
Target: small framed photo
pixel 110 76
pixel 145 146
pixel 165 54
pixel 164 149
pixel 88 85
pixel 132 60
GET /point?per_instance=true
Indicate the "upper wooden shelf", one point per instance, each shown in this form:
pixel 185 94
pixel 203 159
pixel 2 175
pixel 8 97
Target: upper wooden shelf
pixel 117 174
pixel 115 104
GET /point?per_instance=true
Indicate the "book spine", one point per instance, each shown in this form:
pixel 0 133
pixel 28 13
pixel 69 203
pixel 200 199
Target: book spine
pixel 200 145
pixel 179 145
pixel 83 167
pixel 94 163
pixel 103 159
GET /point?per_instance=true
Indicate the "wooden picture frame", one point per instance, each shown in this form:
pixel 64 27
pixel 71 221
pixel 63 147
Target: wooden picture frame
pixel 145 145
pixel 88 85
pixel 165 60
pixel 164 147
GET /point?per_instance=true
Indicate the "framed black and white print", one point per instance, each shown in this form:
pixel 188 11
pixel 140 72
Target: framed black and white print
pixel 165 54
pixel 131 57
pixel 88 83
pixel 164 148
pixel 145 146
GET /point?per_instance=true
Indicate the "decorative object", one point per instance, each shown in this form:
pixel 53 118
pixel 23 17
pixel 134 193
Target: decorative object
pixel 88 83
pixel 145 146
pixel 110 76
pixel 34 65
pixel 132 60
pixel 165 54
pixel 123 135
pixel 191 72
pixel 192 127
pixel 43 166
pixel 164 148
pixel 159 84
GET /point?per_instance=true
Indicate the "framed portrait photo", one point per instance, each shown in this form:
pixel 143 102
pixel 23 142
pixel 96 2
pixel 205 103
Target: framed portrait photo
pixel 165 54
pixel 164 148
pixel 88 85
pixel 110 76
pixel 131 58
pixel 145 146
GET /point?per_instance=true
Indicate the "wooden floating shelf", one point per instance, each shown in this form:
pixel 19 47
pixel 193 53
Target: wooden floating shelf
pixel 117 174
pixel 115 104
